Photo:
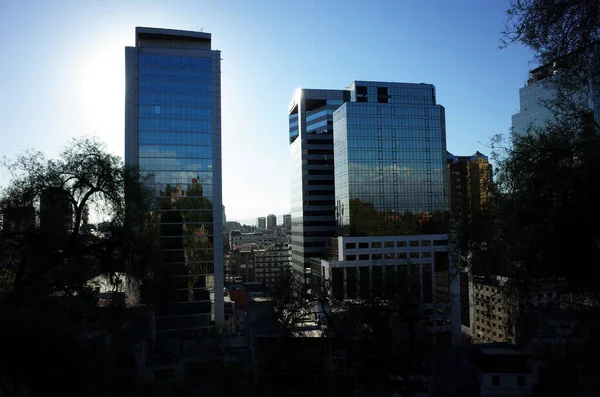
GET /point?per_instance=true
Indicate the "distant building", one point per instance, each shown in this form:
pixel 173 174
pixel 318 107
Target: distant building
pixel 287 221
pixel 536 97
pixel 311 155
pixel 470 185
pixel 232 225
pixel 271 221
pixel 262 239
pixel 272 264
pixel 261 223
pixel 239 265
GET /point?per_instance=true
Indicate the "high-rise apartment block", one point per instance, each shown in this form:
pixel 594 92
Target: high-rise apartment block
pixel 272 264
pixel 173 134
pixel 287 221
pixel 261 223
pixel 271 221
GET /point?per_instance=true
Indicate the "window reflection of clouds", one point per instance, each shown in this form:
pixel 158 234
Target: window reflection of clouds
pixel 391 156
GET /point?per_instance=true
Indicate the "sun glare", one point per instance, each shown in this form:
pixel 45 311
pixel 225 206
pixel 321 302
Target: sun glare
pixel 102 96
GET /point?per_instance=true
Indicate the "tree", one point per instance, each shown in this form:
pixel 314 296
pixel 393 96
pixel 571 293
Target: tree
pixel 558 31
pixel 48 255
pixel 545 238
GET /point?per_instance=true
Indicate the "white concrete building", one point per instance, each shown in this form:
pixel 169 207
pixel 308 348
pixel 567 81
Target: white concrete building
pixel 416 264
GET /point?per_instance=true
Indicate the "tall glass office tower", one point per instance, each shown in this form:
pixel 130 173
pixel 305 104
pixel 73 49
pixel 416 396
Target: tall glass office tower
pixel 313 186
pixel 390 160
pixel 534 100
pixel 537 96
pixel 173 133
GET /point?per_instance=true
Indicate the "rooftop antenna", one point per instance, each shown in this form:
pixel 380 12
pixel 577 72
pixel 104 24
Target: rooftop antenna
pixel 202 29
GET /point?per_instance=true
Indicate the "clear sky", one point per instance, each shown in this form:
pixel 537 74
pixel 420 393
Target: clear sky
pixel 62 72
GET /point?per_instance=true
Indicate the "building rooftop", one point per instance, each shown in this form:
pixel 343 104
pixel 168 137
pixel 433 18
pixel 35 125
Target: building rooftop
pixel 501 358
pixel 152 37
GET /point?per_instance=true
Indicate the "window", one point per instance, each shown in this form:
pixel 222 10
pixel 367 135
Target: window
pixel 495 380
pixel 401 244
pixel 388 244
pixel 350 245
pixel 376 256
pixel 382 94
pixel 426 243
pixel 376 245
pixel 414 243
pixel 426 254
pixel 363 257
pixel 363 245
pixel 521 380
pixel 402 255
pixel 414 255
pixel 350 257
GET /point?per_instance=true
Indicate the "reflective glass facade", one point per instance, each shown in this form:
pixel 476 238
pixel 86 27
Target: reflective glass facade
pixel 390 161
pixel 173 133
pixel 312 179
pixel 534 100
pixel 537 96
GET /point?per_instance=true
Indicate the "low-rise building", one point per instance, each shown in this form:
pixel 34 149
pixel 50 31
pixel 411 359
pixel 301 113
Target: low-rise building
pixel 261 223
pixel 271 222
pixel 504 370
pixel 493 317
pixel 238 239
pixel 272 264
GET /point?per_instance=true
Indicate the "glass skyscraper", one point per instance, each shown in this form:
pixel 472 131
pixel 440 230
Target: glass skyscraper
pixel 390 161
pixel 312 179
pixel 173 133
pixel 534 99
pixel 537 96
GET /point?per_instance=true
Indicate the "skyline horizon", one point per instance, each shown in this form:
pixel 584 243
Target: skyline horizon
pixel 80 89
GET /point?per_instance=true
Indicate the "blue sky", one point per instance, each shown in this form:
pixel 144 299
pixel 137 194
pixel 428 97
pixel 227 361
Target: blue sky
pixel 62 72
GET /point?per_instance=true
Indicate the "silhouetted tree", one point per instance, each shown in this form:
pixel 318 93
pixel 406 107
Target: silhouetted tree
pixel 48 255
